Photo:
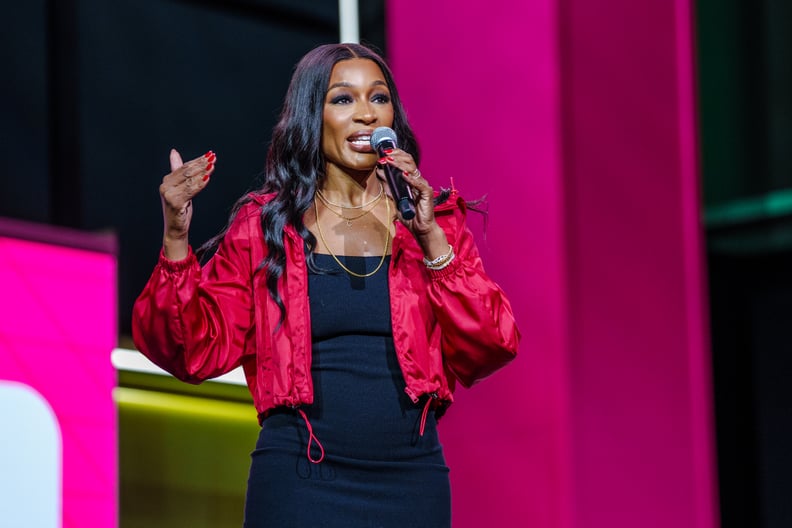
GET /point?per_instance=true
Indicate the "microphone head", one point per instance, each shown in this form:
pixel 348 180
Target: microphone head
pixel 381 134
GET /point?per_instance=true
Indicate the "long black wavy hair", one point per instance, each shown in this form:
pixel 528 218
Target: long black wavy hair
pixel 295 166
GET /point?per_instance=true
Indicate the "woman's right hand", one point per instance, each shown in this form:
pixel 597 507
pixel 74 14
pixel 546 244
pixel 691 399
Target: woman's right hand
pixel 177 191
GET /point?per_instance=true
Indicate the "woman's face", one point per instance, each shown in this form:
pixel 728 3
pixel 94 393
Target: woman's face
pixel 358 101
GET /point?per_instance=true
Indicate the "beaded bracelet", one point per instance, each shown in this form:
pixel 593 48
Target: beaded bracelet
pixel 438 267
pixel 442 261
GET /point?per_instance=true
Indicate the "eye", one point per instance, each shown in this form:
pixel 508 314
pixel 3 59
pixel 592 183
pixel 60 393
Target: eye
pixel 381 98
pixel 341 99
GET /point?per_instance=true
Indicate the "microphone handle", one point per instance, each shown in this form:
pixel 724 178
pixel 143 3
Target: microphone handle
pixel 399 189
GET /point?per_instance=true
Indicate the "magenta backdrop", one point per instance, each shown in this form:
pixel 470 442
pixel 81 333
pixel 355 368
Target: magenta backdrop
pixel 57 330
pixel 576 118
pixel 481 85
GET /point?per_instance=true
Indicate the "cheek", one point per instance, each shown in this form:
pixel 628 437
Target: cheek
pixel 331 131
pixel 327 133
pixel 386 116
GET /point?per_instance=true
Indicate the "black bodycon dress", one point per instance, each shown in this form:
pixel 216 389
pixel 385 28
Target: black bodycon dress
pixel 377 470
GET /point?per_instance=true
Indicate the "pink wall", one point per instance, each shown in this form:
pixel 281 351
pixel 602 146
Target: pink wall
pixel 576 117
pixel 57 329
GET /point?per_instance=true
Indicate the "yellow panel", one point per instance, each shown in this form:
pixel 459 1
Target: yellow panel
pixel 183 459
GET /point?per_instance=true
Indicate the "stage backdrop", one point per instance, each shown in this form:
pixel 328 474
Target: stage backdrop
pixel 57 329
pixel 577 119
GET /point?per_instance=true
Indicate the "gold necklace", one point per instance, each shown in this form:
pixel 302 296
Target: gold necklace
pixel 384 250
pixel 361 206
pixel 348 219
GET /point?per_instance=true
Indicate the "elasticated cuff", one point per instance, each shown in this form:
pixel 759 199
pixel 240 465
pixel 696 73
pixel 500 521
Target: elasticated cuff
pixel 176 266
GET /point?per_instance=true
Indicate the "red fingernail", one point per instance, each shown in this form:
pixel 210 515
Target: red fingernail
pixel 209 167
pixel 382 161
pixel 389 158
pixel 206 177
pixel 387 151
pixel 209 154
pixel 212 157
pixel 406 173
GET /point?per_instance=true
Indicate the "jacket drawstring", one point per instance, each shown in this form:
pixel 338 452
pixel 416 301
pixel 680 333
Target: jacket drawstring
pixel 311 439
pixel 425 412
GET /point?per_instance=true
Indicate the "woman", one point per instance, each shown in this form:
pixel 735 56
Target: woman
pixel 351 323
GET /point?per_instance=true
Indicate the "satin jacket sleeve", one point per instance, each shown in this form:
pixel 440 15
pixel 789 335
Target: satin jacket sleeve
pixel 195 322
pixel 479 332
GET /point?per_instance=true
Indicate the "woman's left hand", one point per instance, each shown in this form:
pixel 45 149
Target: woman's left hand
pixel 423 226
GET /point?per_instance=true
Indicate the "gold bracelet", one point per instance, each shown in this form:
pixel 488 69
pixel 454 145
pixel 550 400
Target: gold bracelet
pixel 438 267
pixel 439 259
pixel 442 261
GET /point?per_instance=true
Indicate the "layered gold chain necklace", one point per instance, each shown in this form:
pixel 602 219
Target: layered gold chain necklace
pixel 387 234
pixel 373 202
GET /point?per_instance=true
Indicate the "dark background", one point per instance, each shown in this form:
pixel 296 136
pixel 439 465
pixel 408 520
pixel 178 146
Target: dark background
pixel 745 79
pixel 96 93
pixel 101 91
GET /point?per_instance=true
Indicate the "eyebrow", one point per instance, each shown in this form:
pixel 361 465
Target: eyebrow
pixel 344 84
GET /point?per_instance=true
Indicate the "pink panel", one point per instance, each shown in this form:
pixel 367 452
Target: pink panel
pixel 640 365
pixel 57 329
pixel 480 83
pixel 605 419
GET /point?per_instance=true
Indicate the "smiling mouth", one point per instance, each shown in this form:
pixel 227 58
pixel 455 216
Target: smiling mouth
pixel 361 141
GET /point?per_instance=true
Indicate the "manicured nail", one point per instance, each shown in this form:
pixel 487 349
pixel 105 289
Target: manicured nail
pixel 209 166
pixel 387 151
pixel 382 161
pixel 406 173
pixel 389 158
pixel 206 177
pixel 209 154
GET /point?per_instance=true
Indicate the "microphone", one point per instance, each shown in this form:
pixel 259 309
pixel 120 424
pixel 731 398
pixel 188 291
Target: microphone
pixel 383 139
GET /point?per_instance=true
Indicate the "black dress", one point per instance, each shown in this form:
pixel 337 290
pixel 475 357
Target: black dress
pixel 377 471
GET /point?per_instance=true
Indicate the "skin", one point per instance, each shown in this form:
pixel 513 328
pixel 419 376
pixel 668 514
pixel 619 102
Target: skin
pixel 357 102
pixel 177 190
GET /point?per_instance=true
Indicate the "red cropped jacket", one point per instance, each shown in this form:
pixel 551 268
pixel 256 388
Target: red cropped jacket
pixel 198 323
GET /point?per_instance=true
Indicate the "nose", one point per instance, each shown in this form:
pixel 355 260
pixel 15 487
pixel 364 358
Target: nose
pixel 366 113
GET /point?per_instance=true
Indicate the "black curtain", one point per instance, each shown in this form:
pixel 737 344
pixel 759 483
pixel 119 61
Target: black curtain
pixel 100 91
